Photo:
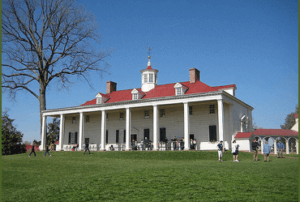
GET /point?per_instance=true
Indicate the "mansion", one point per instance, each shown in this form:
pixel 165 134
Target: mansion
pixel 190 109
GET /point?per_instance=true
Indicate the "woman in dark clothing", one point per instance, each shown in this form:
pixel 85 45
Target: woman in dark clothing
pixel 47 151
pixel 32 151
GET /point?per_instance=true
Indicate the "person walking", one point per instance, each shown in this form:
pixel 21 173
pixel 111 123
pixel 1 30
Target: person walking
pixel 280 147
pixel 47 151
pixel 32 151
pixel 267 151
pixel 235 151
pixel 87 148
pixel 255 145
pixel 220 150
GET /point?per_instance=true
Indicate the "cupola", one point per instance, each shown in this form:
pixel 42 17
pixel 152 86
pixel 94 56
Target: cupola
pixel 149 77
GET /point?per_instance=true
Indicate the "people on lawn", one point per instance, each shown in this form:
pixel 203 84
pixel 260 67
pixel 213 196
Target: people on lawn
pixel 87 148
pixel 267 151
pixel 47 151
pixel 220 150
pixel 255 146
pixel 32 150
pixel 235 151
pixel 280 147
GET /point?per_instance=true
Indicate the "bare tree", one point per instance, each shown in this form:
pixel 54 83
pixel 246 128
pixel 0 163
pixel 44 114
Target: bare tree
pixel 46 41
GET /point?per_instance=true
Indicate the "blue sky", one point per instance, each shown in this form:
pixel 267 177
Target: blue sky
pixel 253 44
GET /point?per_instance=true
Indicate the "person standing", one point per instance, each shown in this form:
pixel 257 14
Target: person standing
pixel 142 144
pixel 235 151
pixel 32 151
pixel 220 150
pixel 87 148
pixel 280 147
pixel 267 151
pixel 255 145
pixel 47 151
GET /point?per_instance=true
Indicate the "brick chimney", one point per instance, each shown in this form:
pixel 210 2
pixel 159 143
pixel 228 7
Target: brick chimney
pixel 110 87
pixel 194 75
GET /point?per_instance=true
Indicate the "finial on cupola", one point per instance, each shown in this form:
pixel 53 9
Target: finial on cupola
pixel 149 53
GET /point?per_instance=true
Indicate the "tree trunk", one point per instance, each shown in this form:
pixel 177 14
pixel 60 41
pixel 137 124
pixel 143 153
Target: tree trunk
pixel 42 101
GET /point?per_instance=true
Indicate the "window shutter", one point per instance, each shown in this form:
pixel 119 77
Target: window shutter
pixel 70 135
pixel 76 138
pixel 106 136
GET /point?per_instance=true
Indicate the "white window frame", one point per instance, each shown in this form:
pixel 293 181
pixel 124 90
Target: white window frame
pixel 99 100
pixel 162 113
pixel 145 79
pixel 87 118
pixel 135 96
pixel 121 116
pixel 179 91
pixel 73 120
pixel 146 112
pixel 212 109
pixel 151 79
pixel 190 110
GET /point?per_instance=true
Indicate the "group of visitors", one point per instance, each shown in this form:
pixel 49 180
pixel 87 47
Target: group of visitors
pixel 234 151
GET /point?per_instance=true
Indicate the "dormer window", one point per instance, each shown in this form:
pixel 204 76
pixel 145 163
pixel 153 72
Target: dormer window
pixel 180 89
pixel 101 98
pixel 137 94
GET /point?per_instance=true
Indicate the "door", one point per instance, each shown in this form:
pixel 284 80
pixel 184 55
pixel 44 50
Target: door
pixel 146 133
pixel 162 134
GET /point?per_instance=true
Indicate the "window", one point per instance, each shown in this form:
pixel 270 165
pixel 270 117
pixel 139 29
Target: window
pixel 106 117
pixel 150 77
pixel 99 100
pixel 135 96
pixel 146 114
pixel 87 118
pixel 73 138
pixel 106 136
pixel 211 109
pixel 213 133
pixel 145 78
pixel 191 110
pixel 162 113
pixel 121 116
pixel 147 134
pixel 162 134
pixel 178 91
pixel 73 120
pixel 124 138
pixel 117 136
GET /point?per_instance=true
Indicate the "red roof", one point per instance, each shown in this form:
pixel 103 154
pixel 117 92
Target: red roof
pixel 296 116
pixel 57 142
pixel 28 147
pixel 149 67
pixel 277 132
pixel 160 91
pixel 243 135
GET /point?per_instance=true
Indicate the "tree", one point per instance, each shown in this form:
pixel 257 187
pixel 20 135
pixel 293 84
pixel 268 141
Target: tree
pixel 53 130
pixel 11 137
pixel 289 120
pixel 47 41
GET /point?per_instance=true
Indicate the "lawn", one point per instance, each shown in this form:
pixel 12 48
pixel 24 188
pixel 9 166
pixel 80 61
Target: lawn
pixel 148 176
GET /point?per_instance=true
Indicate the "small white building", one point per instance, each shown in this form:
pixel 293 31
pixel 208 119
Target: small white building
pixel 296 126
pixel 190 109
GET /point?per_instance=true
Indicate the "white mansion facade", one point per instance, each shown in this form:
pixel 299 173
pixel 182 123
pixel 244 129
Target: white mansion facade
pixel 190 109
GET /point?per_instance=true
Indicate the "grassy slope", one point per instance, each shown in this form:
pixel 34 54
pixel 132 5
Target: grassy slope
pixel 147 176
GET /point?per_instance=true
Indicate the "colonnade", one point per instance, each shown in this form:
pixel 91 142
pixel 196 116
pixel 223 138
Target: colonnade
pixel 128 127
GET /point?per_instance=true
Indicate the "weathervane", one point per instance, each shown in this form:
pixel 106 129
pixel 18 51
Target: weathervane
pixel 149 51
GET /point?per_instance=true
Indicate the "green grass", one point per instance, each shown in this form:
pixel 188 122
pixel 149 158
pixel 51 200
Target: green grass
pixel 148 176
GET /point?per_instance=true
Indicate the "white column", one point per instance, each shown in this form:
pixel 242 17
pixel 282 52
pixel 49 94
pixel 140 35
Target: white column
pixel 44 133
pixel 103 130
pixel 155 127
pixel 221 119
pixel 297 147
pixel 80 131
pixel 61 132
pixel 186 126
pixel 275 146
pixel 128 127
pixel 262 146
pixel 287 148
